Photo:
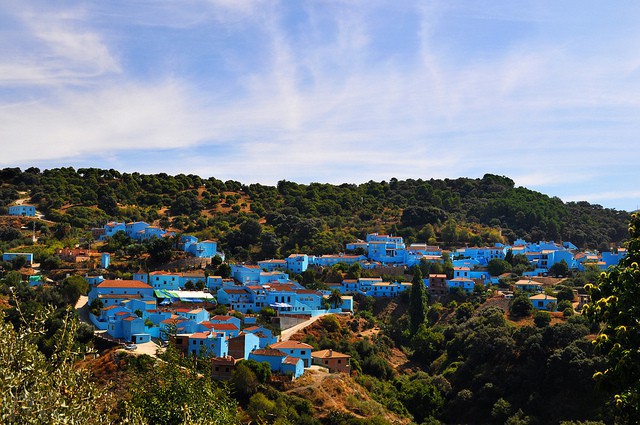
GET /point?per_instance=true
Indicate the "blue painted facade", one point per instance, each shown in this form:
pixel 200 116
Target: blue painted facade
pixel 208 344
pixel 23 210
pixel 297 263
pixel 8 256
pixel 105 260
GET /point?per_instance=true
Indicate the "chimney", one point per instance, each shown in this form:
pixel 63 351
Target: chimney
pixel 330 352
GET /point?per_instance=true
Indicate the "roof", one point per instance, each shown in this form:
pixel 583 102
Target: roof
pixel 123 284
pixel 291 345
pixel 543 297
pixel 269 352
pixel 329 354
pixel 200 335
pixel 223 318
pixel 224 326
pixel 226 361
pixel 291 360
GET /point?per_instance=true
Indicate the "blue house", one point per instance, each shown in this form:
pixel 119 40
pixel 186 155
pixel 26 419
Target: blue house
pixel 241 346
pixel 111 229
pixel 9 256
pixel 246 274
pixel 295 349
pixel 544 302
pixel 297 263
pixel 23 210
pixel 272 265
pixel 112 292
pixel 128 328
pixel 280 362
pixel 265 335
pixel 208 344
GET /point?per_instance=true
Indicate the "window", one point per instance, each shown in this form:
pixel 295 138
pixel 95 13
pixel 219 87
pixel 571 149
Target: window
pixel 303 352
pixel 339 361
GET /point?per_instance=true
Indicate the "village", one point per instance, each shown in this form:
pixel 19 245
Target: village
pixel 224 318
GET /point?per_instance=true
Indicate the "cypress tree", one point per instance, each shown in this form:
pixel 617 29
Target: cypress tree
pixel 417 301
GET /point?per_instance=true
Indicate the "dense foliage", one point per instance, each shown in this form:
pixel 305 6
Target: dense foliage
pixel 261 221
pixel 615 303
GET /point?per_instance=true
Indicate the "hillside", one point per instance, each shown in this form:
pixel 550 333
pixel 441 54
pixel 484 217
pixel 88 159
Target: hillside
pixel 257 221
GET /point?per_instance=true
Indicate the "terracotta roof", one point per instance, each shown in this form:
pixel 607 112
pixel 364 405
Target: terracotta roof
pixel 291 345
pixel 252 328
pixel 328 354
pixel 130 318
pixel 225 361
pixel 234 291
pixel 291 360
pixel 123 284
pixel 438 276
pixel 542 297
pixel 269 352
pixel 200 335
pixel 224 326
pixel 222 317
pixel 119 296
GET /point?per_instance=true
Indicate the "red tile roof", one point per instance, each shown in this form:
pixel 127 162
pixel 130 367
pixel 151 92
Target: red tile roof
pixel 123 284
pixel 269 352
pixel 291 360
pixel 328 354
pixel 291 345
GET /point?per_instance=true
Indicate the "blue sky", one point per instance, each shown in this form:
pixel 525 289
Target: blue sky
pixel 545 92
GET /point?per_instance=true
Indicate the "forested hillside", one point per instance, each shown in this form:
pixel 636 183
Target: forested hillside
pixel 257 221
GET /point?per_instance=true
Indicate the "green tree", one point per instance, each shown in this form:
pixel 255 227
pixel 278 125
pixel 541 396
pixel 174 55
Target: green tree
pixel 559 269
pixel 36 389
pixel 542 319
pixel 496 267
pixel 417 301
pixel 172 393
pixel 520 305
pixel 614 304
pixel 335 298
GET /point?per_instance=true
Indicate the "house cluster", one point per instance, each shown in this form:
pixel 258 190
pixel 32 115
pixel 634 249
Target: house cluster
pixel 141 231
pixel 134 311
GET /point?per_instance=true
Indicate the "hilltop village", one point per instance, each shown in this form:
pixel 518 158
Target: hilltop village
pixel 241 314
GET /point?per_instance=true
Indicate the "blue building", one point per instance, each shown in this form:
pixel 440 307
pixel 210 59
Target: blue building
pixel 280 362
pixel 23 210
pixel 9 256
pixel 297 263
pixel 113 292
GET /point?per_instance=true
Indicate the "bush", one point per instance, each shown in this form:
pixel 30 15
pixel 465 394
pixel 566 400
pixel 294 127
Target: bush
pixel 520 306
pixel 542 319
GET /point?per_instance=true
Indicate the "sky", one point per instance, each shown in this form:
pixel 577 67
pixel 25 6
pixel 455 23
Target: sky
pixel 544 92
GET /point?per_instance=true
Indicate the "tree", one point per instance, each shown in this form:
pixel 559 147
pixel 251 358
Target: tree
pixel 335 298
pixel 224 270
pixel 520 305
pixel 36 389
pixel 417 301
pixel 172 393
pixel 614 304
pixel 542 319
pixel 559 269
pixel 496 267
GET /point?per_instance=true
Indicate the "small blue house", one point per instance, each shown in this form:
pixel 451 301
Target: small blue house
pixel 280 362
pixel 295 349
pixel 23 210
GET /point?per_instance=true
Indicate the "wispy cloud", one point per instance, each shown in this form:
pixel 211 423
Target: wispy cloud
pixel 261 90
